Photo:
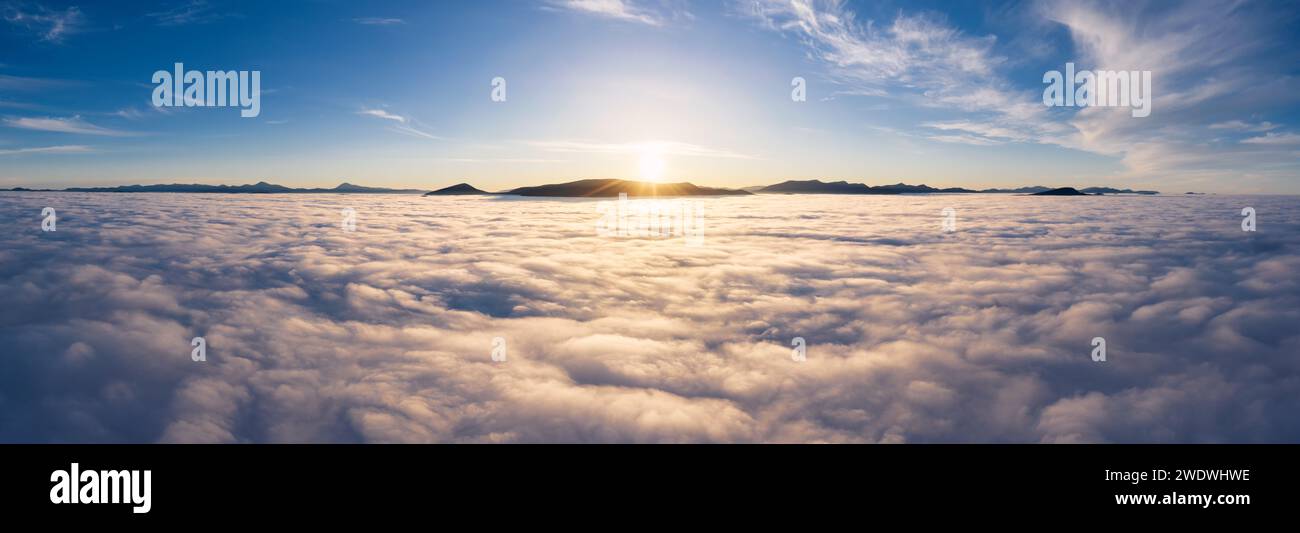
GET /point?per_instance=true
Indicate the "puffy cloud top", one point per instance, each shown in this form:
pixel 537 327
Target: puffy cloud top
pixel 385 334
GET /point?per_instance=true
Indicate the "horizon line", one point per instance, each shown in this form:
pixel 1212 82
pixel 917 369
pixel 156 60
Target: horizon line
pixel 159 183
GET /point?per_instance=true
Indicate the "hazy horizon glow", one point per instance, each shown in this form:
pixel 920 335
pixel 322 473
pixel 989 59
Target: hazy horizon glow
pixel 397 94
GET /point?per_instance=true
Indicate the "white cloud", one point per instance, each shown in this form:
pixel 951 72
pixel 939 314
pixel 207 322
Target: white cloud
pixel 914 335
pixel 193 12
pixel 920 60
pixel 64 125
pixel 973 140
pixel 1274 139
pixel 414 132
pixel 1240 125
pixel 61 149
pixel 1205 77
pixel 379 21
pixel 380 113
pixel 405 126
pixel 52 26
pixel 626 10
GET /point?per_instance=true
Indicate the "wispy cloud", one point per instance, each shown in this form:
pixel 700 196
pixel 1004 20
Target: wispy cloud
pixel 193 12
pixel 64 125
pixel 22 83
pixel 973 140
pixel 1240 125
pixel 919 60
pixel 1274 139
pixel 413 132
pixel 625 10
pixel 378 21
pixel 380 113
pixel 1207 76
pixel 658 147
pixel 924 62
pixel 129 113
pixel 62 149
pixel 406 126
pixel 52 26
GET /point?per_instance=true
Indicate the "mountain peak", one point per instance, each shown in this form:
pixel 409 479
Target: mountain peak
pixel 459 188
pixel 1062 191
pixel 614 187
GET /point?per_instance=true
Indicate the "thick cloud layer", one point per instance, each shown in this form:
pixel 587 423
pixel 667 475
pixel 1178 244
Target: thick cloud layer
pixel 385 334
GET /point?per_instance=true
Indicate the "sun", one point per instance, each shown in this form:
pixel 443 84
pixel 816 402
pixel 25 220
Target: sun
pixel 652 166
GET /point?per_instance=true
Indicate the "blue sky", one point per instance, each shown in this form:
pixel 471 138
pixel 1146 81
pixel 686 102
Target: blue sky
pixel 398 93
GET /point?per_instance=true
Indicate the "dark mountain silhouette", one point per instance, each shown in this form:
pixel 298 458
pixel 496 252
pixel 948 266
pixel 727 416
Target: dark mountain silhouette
pixel 841 187
pixel 1019 190
pixel 600 188
pixel 260 187
pixel 457 189
pixel 820 187
pixel 1063 191
pixel 1111 190
pixel 348 187
pixel 613 187
pixel 902 188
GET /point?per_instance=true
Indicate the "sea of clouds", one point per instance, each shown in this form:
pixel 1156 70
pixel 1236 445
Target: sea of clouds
pixel 316 334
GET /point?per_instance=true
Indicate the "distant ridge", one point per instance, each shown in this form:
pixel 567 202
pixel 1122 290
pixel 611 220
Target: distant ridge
pixel 819 187
pixel 599 188
pixel 614 187
pixel 1019 190
pixel 1109 190
pixel 457 189
pixel 1063 191
pixel 260 187
pixel 842 187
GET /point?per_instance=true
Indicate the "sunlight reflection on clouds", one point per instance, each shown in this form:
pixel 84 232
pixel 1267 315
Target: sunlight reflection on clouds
pixel 384 334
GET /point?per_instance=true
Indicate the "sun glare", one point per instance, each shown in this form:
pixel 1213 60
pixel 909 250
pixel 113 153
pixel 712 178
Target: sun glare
pixel 652 166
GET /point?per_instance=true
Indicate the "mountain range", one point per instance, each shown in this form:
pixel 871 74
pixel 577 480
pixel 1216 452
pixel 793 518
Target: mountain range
pixel 260 187
pixel 597 188
pixel 613 187
pixel 842 187
pixel 457 189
